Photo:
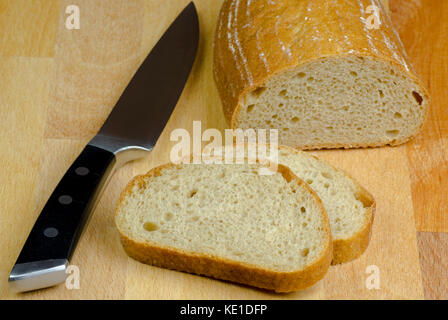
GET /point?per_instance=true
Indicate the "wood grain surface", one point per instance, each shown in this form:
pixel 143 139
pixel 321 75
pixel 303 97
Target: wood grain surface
pixel 434 263
pixel 423 28
pixel 57 86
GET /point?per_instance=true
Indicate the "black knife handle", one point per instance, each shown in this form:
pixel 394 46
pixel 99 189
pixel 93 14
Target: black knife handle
pixel 59 225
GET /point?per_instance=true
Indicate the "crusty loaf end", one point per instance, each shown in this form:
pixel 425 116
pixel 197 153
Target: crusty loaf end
pixel 318 72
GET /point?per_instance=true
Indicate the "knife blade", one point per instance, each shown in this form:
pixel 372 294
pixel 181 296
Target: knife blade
pixel 129 133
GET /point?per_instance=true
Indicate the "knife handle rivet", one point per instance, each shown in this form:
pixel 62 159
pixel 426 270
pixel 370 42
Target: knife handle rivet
pixel 82 171
pixel 51 232
pixel 65 199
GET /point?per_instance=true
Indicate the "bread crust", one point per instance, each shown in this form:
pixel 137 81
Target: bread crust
pixel 222 268
pixel 346 250
pixel 247 51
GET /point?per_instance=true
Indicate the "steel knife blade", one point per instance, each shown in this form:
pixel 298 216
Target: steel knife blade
pixel 130 132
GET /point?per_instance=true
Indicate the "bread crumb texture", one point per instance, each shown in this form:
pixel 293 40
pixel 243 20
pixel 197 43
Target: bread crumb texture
pixel 342 197
pixel 343 100
pixel 349 206
pixel 227 212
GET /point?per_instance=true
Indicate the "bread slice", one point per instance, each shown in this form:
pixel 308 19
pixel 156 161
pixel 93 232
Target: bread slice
pixel 349 206
pixel 315 70
pixel 227 222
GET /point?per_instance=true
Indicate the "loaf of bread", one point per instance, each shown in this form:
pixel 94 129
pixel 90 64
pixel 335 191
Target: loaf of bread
pixel 227 222
pixel 349 206
pixel 326 74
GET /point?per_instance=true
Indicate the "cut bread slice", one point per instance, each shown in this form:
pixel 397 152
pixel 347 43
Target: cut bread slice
pixel 227 222
pixel 318 71
pixel 349 206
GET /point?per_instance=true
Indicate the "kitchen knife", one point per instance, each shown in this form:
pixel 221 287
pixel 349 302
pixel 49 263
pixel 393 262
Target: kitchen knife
pixel 129 133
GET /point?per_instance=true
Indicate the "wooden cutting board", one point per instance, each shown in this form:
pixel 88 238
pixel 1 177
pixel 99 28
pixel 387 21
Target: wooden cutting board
pixel 57 87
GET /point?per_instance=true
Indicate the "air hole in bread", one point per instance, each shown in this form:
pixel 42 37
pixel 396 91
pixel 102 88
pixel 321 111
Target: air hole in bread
pixel 250 108
pixel 149 226
pixel 283 93
pixel 281 105
pixel 302 209
pixel 257 92
pixel 392 133
pixel 193 192
pixel 168 216
pixel 381 93
pixel 417 97
pixel 353 73
pixel 398 115
pixel 305 252
pixel 309 181
pixel 295 119
pixel 301 75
